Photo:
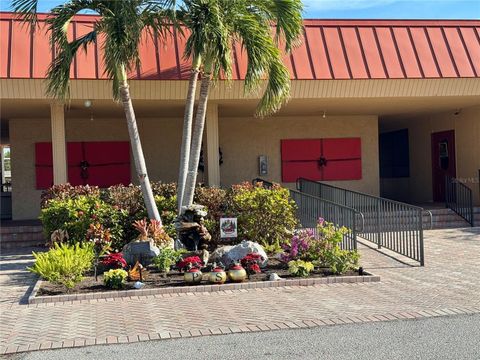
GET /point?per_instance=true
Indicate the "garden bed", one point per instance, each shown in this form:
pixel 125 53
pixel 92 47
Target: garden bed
pixel 158 283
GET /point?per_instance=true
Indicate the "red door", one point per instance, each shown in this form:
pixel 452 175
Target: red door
pixel 443 161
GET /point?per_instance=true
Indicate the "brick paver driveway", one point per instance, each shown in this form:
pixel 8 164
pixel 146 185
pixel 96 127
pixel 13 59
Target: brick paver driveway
pixel 447 285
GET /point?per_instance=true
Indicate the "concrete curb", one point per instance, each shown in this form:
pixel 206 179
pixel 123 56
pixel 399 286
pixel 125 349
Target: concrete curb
pixel 34 299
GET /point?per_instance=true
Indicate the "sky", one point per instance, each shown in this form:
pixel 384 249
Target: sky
pixel 364 9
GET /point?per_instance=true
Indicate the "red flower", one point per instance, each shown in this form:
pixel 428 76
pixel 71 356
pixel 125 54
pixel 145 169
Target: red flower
pixel 114 261
pixel 255 268
pixel 251 262
pixel 194 261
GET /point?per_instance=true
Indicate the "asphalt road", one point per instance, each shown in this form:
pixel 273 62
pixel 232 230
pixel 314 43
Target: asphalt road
pixel 454 337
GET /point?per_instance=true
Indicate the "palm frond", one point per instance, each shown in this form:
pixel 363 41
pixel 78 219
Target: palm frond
pixel 26 10
pixel 60 17
pixel 277 91
pixel 287 18
pixel 58 76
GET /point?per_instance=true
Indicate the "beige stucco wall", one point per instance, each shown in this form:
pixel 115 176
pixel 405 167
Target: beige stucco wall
pixel 160 138
pixel 24 133
pixel 243 139
pixel 418 187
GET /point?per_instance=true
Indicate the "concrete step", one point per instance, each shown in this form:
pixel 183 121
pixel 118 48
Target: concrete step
pixel 446 219
pixel 12 236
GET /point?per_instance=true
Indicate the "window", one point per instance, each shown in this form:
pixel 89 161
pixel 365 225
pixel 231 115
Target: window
pixel 394 154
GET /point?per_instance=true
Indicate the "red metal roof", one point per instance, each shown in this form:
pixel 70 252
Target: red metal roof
pixel 331 49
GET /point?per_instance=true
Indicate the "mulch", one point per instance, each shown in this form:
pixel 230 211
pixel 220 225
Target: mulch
pixel 155 279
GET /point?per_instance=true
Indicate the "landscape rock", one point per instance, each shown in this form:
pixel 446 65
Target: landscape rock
pixel 142 251
pixel 228 255
pixel 274 277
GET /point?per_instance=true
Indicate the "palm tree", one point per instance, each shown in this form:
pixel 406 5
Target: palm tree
pixel 122 24
pixel 215 25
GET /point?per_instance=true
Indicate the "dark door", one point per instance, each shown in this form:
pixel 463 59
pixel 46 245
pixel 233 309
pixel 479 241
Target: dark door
pixel 443 161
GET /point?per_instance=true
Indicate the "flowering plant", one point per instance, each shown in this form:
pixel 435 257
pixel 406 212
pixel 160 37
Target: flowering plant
pixel 114 261
pixel 190 261
pixel 115 278
pixel 251 263
pixel 323 248
pixel 302 246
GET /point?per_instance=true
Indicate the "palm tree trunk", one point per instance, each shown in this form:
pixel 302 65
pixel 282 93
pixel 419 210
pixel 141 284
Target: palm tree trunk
pixel 137 151
pixel 197 141
pixel 187 134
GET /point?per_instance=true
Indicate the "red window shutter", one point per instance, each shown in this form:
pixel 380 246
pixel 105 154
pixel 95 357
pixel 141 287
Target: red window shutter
pixel 341 159
pixel 74 158
pixel 300 159
pixel 344 159
pixel 292 170
pixel 43 165
pixel 300 149
pixel 109 163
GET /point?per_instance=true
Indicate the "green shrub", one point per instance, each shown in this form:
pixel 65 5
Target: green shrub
pixel 128 198
pixel 167 258
pixel 77 214
pixel 266 216
pixel 115 278
pixel 167 206
pixel 64 264
pixel 215 200
pixel 67 191
pixel 167 190
pixel 300 268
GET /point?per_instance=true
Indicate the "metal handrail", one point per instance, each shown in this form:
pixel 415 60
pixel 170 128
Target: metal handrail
pixel 459 198
pixel 310 208
pixel 360 193
pixel 431 218
pixel 388 223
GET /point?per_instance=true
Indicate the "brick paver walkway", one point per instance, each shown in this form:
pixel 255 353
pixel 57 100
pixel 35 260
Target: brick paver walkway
pixel 449 284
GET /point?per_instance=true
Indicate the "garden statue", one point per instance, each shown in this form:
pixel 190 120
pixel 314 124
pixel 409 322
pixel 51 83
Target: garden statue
pixel 58 236
pixel 191 230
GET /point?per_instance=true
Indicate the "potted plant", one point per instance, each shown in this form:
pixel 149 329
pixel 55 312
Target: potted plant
pixel 237 273
pixel 191 266
pixel 217 275
pixel 251 263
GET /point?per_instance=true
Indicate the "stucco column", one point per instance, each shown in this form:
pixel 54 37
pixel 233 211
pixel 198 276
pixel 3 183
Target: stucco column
pixel 59 146
pixel 211 132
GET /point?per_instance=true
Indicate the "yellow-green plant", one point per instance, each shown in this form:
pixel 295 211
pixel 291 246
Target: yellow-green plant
pixel 64 264
pixel 300 268
pixel 331 254
pixel 115 278
pixel 266 216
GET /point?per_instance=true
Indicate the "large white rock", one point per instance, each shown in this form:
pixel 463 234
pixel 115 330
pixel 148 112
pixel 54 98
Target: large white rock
pixel 228 255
